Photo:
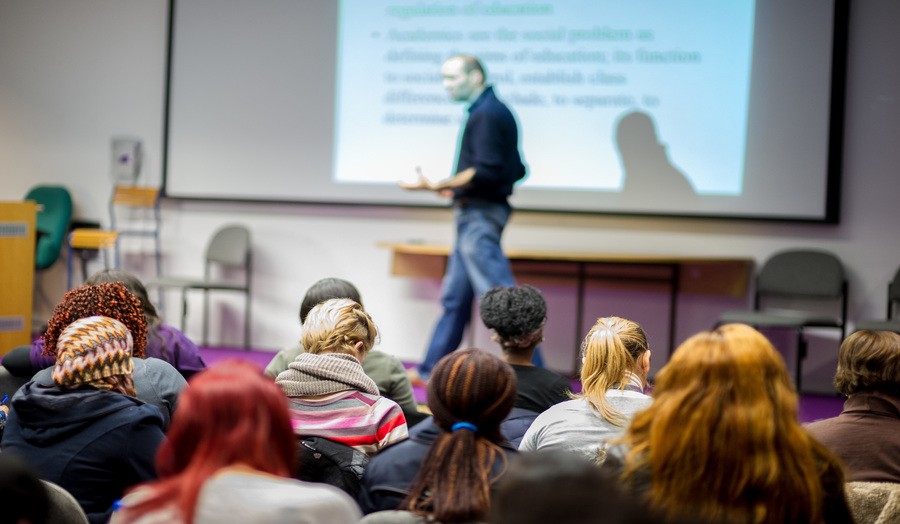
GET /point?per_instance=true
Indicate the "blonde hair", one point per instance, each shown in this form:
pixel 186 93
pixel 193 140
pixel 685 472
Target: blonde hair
pixel 337 326
pixel 611 350
pixel 721 440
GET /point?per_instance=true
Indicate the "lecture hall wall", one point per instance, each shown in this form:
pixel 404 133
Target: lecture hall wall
pixel 73 74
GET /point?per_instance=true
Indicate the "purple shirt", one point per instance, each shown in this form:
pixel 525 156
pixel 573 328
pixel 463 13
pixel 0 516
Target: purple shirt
pixel 167 343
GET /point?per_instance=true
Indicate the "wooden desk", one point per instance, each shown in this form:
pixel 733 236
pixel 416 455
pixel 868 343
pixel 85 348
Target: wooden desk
pixel 17 244
pixel 724 276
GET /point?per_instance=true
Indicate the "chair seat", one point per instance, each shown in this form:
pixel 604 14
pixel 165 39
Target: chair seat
pixel 196 284
pixel 92 239
pixel 779 318
pixel 879 325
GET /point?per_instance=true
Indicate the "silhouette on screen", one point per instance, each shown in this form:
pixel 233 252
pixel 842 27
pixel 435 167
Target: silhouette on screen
pixel 645 161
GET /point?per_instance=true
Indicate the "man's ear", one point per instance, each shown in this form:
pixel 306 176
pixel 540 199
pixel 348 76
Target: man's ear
pixel 476 77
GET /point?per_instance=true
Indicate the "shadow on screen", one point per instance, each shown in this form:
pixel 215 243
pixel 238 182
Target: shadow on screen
pixel 645 162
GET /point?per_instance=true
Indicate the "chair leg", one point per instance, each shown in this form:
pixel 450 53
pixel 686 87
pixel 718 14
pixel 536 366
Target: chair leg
pixel 83 258
pixel 160 297
pixel 205 317
pixel 69 265
pixel 801 354
pixel 183 308
pixel 247 322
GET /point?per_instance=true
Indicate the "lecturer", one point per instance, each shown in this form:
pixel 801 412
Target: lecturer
pixel 488 164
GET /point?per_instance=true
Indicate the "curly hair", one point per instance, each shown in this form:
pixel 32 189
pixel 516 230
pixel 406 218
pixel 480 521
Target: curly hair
pixel 337 326
pixel 515 313
pixel 111 300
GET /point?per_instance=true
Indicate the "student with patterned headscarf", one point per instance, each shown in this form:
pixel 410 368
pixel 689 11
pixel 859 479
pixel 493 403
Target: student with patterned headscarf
pixel 87 432
pixel 155 380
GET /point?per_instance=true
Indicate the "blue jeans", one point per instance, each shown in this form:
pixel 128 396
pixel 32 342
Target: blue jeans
pixel 476 265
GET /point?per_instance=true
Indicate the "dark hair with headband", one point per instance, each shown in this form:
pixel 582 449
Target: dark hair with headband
pixel 470 392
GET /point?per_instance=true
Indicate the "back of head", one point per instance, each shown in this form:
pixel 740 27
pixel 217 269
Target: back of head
pixel 23 498
pixel 727 396
pixel 112 300
pixel 470 392
pixel 326 289
pixel 517 314
pixel 559 487
pixel 471 385
pixel 96 352
pixel 230 415
pixel 471 63
pixel 869 361
pixel 133 284
pixel 611 351
pixel 338 326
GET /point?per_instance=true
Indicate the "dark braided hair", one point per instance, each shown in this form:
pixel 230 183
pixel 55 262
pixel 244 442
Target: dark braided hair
pixel 453 483
pixel 515 313
pixel 111 300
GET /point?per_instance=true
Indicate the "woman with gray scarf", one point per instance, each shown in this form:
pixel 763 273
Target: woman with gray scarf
pixel 329 394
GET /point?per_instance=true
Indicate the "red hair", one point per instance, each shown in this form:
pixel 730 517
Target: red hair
pixel 230 414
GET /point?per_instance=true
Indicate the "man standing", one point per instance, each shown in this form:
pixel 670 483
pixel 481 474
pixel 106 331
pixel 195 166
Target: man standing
pixel 488 164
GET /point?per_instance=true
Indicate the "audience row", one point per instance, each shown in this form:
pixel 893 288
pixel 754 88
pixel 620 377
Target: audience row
pixel 330 432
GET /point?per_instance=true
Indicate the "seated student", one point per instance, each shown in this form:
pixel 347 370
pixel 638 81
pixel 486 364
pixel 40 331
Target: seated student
pixel 329 394
pixel 23 497
pixel 87 432
pixel 615 363
pixel 163 342
pixel 226 458
pixel 517 315
pixel 866 435
pixel 155 381
pixel 445 470
pixel 562 488
pixel 387 372
pixel 722 443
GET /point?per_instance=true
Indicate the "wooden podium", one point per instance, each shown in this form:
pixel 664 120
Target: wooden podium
pixel 17 241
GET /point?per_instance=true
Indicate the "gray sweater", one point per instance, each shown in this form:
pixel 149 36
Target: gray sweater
pixel 155 382
pixel 574 425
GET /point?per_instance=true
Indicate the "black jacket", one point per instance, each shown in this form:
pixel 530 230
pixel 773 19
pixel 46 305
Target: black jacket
pixel 490 144
pixel 93 443
pixel 388 474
